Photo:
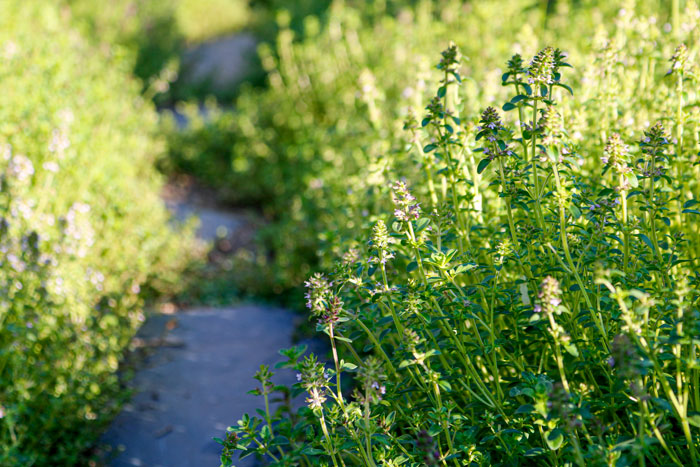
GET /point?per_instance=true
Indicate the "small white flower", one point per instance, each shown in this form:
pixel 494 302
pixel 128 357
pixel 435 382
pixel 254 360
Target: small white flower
pixel 50 166
pixel 21 168
pixel 59 142
pixel 10 50
pixel 66 117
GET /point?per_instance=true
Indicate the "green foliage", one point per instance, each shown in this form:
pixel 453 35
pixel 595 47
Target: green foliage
pixel 202 20
pixel 83 233
pixel 147 32
pixel 153 34
pixel 529 293
pixel 330 121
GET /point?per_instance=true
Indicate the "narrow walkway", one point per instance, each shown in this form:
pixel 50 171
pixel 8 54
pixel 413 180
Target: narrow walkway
pixel 195 382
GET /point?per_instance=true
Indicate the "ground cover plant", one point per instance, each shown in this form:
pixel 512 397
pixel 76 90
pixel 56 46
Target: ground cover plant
pixel 526 290
pixel 83 234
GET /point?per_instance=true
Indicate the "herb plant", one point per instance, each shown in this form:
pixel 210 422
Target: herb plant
pixel 528 294
pixel 84 236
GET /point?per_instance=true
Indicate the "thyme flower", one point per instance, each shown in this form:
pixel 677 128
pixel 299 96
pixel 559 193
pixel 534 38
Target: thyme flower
pixel 542 67
pixel 550 296
pixel 679 60
pixel 516 65
pixel 372 378
pixel 314 380
pixel 490 120
pixel 380 243
pixel 653 145
pixel 616 154
pixel 552 124
pixel 317 293
pixel 406 207
pixel 450 59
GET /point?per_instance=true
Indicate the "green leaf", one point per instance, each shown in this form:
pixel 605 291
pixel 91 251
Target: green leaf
pixel 429 148
pixel 571 348
pixel 555 439
pixel 690 203
pixel 567 87
pixel 309 451
pixel 483 164
pixel 575 211
pixel 691 211
pixel 534 452
pixel 347 365
pixel 525 408
pixel 442 90
pixel 694 419
pixel 508 106
pixel 445 385
pixel 646 240
pixel 421 224
pixel 412 266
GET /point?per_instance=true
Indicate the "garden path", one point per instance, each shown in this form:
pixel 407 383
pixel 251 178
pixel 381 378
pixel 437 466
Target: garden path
pixel 194 382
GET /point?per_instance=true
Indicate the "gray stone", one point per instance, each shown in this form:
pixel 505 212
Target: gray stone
pixel 220 64
pixel 188 394
pixel 195 380
pixel 215 222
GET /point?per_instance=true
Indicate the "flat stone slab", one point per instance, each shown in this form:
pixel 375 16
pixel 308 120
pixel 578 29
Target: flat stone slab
pixel 221 63
pixel 194 385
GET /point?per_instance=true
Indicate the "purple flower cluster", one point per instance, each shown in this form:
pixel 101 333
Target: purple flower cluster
pixel 407 208
pixel 550 296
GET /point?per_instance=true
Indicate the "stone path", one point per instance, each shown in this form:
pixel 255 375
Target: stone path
pixel 221 63
pixel 194 383
pixel 192 389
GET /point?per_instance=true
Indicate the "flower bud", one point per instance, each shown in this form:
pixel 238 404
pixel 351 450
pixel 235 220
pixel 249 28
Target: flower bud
pixel 541 70
pixel 616 153
pixel 679 60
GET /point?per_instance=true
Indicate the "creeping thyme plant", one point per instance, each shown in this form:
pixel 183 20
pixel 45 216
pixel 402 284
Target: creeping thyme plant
pixel 529 294
pixel 83 233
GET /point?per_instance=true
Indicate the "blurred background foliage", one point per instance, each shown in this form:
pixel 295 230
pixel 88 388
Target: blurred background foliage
pixel 313 147
pixel 84 236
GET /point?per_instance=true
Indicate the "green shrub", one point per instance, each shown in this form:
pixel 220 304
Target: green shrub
pixel 83 233
pixel 533 298
pixel 330 120
pixel 153 34
pixel 147 32
pixel 200 20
